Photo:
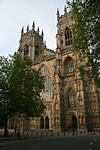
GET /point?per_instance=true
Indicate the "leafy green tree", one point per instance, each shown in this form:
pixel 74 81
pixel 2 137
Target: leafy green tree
pixel 20 88
pixel 86 36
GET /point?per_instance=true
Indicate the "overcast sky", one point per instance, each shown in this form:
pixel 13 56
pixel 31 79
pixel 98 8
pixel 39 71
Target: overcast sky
pixel 17 13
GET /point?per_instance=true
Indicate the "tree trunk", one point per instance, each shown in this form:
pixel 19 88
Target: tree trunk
pixel 5 128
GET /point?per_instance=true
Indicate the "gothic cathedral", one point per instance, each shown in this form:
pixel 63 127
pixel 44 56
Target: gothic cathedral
pixel 69 99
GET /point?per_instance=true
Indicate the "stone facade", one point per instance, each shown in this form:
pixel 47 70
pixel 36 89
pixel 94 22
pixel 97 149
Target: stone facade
pixel 70 99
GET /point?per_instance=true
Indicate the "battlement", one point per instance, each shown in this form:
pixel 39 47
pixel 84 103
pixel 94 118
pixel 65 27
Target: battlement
pixel 32 31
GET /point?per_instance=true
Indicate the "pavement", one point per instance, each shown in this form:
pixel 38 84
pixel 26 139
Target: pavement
pixel 12 137
pixel 59 141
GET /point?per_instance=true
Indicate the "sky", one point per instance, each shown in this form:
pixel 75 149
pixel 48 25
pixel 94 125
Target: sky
pixel 17 13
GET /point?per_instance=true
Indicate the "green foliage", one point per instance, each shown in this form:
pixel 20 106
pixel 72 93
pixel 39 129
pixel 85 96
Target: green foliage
pixel 86 36
pixel 20 88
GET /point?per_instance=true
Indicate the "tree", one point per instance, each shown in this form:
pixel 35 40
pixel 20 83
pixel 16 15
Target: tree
pixel 86 36
pixel 20 88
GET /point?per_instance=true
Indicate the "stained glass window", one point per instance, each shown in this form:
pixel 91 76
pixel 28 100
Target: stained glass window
pixel 71 99
pixel 47 94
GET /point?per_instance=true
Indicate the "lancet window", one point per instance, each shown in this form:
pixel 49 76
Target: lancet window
pixel 71 99
pixel 68 37
pixel 47 94
pixel 36 50
pixel 26 50
pixel 69 65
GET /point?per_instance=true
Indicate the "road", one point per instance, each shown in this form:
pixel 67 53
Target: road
pixel 88 142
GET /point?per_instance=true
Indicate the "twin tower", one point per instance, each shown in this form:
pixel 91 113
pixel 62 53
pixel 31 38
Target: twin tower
pixel 33 44
pixel 70 99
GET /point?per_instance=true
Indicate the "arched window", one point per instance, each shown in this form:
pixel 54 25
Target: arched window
pixel 47 94
pixel 47 122
pixel 71 99
pixel 26 50
pixel 68 37
pixel 42 123
pixel 69 65
pixel 36 50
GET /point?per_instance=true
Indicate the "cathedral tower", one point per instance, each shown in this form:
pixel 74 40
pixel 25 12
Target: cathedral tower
pixel 31 42
pixel 71 101
pixel 77 107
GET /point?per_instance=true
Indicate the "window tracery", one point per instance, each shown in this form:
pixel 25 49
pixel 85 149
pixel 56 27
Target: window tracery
pixel 71 99
pixel 69 66
pixel 26 50
pixel 36 50
pixel 68 37
pixel 47 94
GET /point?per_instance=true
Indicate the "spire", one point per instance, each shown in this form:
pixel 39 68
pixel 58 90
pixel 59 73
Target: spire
pixel 38 30
pixel 22 31
pixel 27 28
pixel 42 34
pixel 58 13
pixel 33 25
pixel 65 10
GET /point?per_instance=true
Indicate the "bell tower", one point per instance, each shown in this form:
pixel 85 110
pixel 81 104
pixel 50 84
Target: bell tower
pixel 64 30
pixel 31 43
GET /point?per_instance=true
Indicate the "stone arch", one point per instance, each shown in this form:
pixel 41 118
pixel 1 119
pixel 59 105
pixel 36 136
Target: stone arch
pixel 71 120
pixel 68 88
pixel 26 50
pixel 42 123
pixel 47 122
pixel 69 65
pixel 68 36
pixel 70 97
pixel 36 50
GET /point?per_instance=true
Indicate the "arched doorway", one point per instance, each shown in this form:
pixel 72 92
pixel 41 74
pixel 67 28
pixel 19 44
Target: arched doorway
pixel 74 122
pixel 42 123
pixel 47 122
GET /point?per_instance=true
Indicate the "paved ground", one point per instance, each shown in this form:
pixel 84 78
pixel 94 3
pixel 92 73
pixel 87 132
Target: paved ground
pixel 68 142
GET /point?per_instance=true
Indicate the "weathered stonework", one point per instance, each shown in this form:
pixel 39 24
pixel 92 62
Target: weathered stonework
pixel 70 99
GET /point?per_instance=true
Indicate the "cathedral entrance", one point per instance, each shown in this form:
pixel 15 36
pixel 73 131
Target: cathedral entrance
pixel 74 122
pixel 47 122
pixel 42 123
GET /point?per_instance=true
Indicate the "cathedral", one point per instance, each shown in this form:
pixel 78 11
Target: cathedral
pixel 70 99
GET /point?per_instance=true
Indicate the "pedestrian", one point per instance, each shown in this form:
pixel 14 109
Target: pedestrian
pixel 73 130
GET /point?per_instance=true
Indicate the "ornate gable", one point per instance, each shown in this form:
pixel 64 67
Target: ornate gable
pixel 45 55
